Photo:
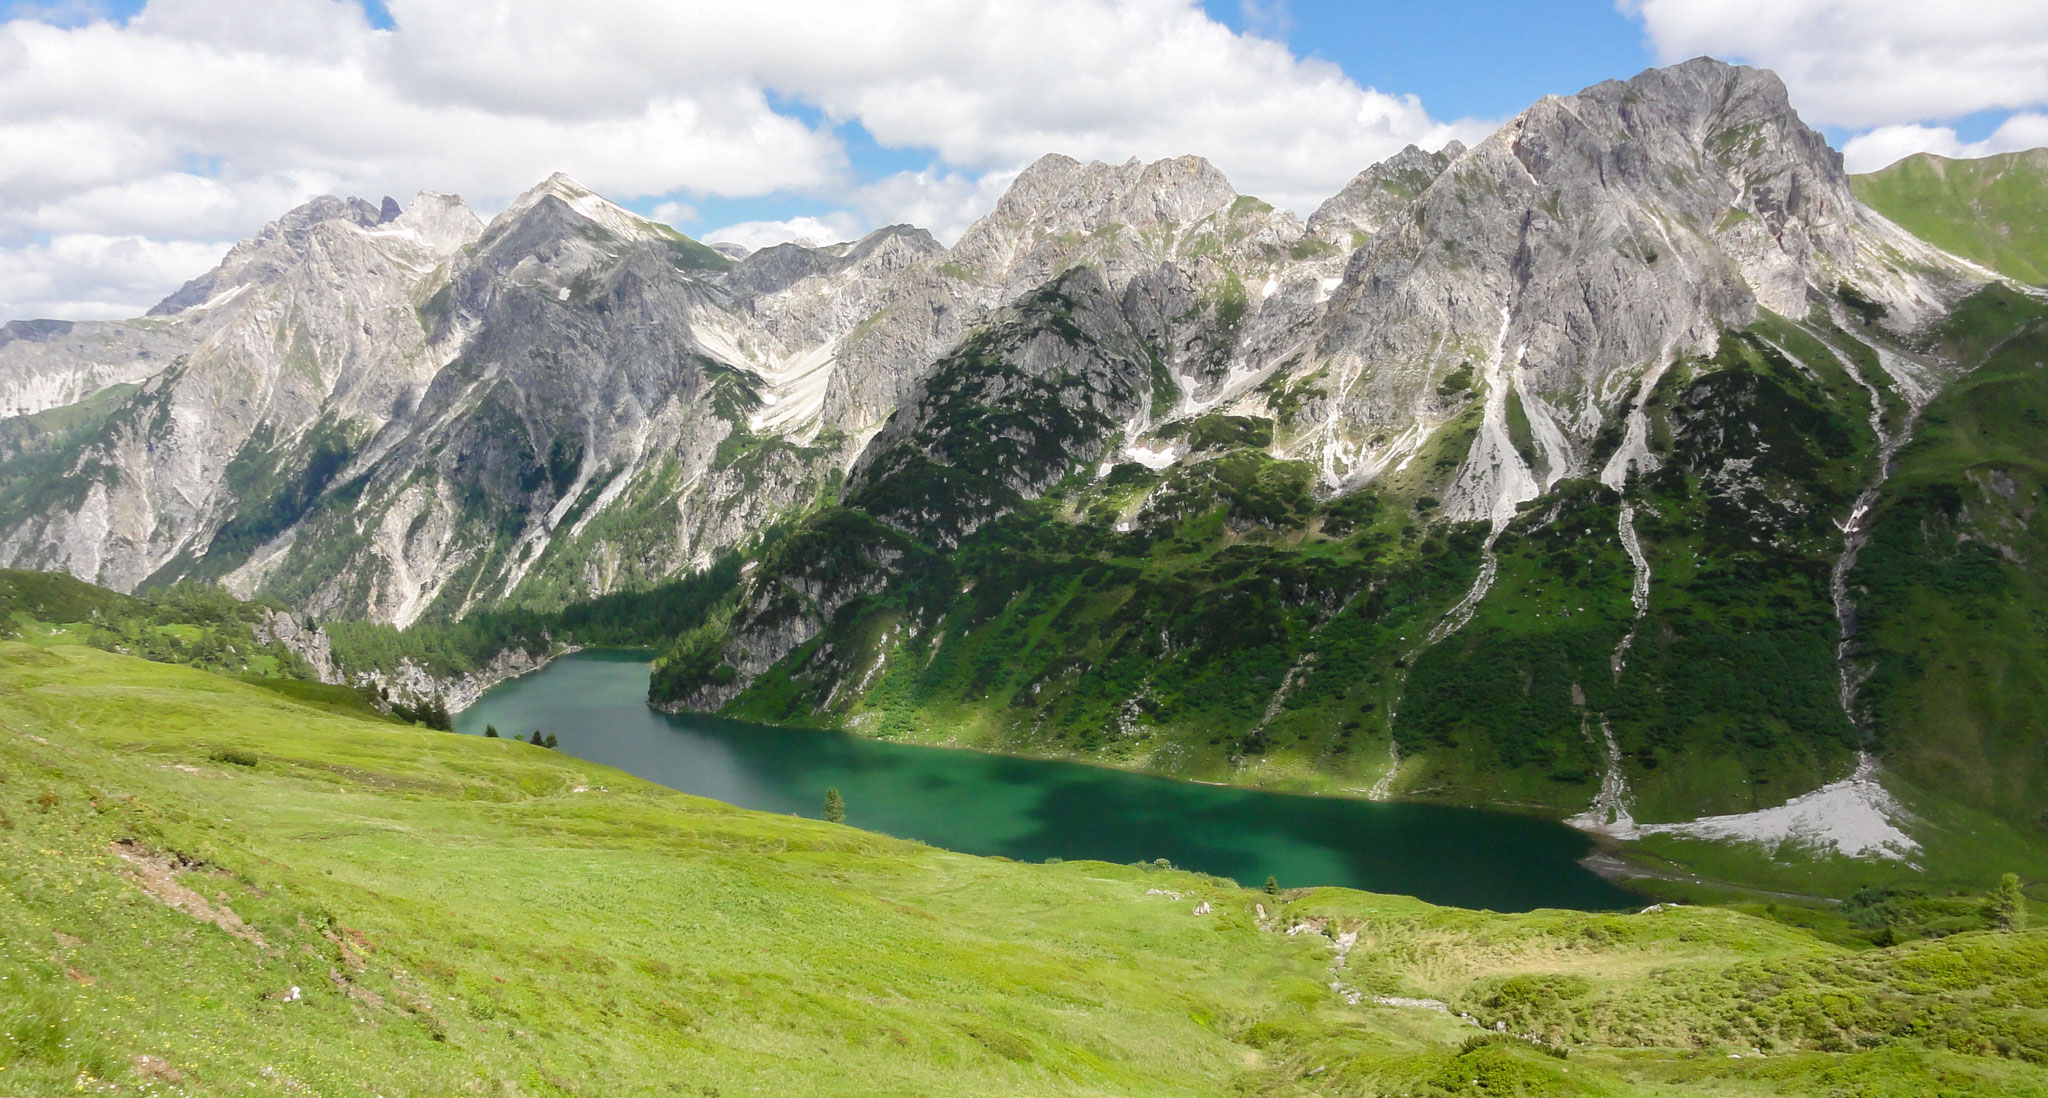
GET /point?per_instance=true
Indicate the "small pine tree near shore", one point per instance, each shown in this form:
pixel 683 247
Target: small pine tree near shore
pixel 490 731
pixel 2007 907
pixel 1272 886
pixel 835 806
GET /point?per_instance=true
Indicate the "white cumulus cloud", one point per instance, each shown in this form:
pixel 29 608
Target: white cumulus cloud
pixel 1862 63
pixel 193 122
pixel 1867 152
pixel 940 201
pixel 812 231
pixel 86 276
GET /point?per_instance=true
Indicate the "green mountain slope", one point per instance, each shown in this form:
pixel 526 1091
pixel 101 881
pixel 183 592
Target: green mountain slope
pixel 1953 587
pixel 198 626
pixel 1993 210
pixel 1720 695
pixel 209 889
pixel 203 626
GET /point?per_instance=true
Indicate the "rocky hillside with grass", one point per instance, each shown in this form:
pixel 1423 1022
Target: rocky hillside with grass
pixel 1575 492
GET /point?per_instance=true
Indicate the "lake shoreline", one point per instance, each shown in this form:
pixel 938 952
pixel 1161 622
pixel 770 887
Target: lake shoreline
pixel 1532 812
pixel 1036 808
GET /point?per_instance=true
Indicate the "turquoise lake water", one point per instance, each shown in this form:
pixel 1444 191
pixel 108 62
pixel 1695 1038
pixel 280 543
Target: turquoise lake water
pixel 1032 809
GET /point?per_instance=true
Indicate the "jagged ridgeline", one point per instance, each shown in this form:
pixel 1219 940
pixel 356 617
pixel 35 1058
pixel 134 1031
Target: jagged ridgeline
pixel 1634 458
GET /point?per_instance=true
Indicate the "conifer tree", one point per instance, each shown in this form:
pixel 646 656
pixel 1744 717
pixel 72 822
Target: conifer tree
pixel 835 806
pixel 2007 907
pixel 536 740
pixel 551 742
pixel 1272 886
pixel 490 731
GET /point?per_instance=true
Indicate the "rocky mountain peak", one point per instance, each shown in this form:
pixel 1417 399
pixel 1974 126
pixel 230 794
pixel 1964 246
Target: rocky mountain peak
pixel 1586 244
pixel 440 222
pixel 272 248
pixel 559 190
pixel 1059 194
pixel 908 239
pixel 879 254
pixel 1378 192
pixel 1060 212
pixel 323 208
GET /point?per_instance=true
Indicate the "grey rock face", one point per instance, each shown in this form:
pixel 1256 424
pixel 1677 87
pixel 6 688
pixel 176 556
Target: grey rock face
pixel 1347 218
pixel 1582 245
pixel 51 363
pixel 312 321
pixel 309 643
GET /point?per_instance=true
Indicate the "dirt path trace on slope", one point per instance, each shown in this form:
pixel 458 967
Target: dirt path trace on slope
pixel 157 874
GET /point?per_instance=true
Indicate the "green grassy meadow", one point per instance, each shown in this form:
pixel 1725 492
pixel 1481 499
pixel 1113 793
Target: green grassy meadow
pixel 1990 209
pixel 461 915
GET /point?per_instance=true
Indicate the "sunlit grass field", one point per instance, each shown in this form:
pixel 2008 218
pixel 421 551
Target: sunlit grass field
pixel 180 851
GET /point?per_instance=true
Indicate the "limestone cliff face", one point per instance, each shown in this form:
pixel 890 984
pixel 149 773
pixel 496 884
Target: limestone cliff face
pixel 306 336
pixel 1576 250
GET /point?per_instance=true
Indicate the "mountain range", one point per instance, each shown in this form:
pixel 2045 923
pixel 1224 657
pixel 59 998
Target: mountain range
pixel 1635 464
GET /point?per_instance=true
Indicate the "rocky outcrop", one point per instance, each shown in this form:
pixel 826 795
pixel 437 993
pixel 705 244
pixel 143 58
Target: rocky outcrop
pixel 307 641
pixel 409 683
pixel 414 685
pixel 1351 216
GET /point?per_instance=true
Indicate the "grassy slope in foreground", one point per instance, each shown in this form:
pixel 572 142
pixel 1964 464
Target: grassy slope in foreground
pixel 1993 210
pixel 463 915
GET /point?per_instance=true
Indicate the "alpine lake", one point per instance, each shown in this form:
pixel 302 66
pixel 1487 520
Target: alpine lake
pixel 595 703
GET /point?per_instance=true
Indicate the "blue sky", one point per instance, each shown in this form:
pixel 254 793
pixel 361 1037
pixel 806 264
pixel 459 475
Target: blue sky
pixel 1465 58
pixel 145 137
